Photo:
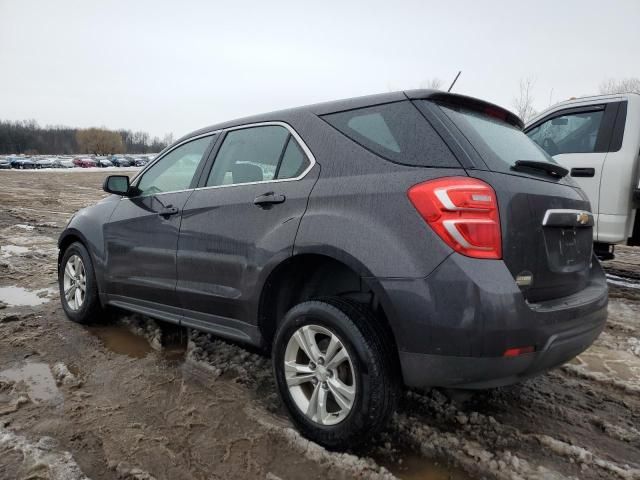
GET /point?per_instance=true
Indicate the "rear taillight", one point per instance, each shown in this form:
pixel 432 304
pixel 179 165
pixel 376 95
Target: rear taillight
pixel 463 212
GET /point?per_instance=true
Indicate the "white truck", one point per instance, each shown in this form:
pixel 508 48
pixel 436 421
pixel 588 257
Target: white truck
pixel 598 140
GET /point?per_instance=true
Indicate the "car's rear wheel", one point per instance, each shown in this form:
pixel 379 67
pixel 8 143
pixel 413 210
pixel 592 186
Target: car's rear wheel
pixel 334 372
pixel 77 283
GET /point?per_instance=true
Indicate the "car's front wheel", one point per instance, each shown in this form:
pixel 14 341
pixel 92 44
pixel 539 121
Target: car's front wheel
pixel 334 371
pixel 77 283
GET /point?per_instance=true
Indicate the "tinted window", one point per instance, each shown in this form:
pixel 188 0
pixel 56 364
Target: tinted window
pixel 249 155
pixel 571 133
pixel 294 161
pixel 175 170
pixel 397 132
pixel 499 143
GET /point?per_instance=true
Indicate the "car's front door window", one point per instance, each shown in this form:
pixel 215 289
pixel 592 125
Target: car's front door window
pixel 175 170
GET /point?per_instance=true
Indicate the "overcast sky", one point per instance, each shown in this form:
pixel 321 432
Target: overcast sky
pixel 176 66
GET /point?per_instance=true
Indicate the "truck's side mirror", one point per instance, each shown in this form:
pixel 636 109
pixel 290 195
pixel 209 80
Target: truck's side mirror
pixel 118 184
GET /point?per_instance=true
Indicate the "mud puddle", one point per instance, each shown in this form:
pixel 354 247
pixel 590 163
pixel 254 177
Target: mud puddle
pixel 119 339
pixel 38 379
pixel 18 296
pixel 412 466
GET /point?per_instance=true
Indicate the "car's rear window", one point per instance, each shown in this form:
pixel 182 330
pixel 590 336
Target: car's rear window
pixel 395 131
pixel 499 143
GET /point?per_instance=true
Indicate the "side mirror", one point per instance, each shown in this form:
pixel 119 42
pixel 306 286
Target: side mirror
pixel 118 184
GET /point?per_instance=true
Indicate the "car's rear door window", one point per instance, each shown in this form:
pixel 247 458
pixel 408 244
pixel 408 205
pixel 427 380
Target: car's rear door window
pixel 395 131
pixel 499 143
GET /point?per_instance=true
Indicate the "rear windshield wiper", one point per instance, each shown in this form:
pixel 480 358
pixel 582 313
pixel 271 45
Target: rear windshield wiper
pixel 552 169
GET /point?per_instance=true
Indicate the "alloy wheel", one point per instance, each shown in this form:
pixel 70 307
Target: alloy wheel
pixel 75 282
pixel 320 375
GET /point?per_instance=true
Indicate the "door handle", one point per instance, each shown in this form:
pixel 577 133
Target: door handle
pixel 269 198
pixel 583 172
pixel 167 211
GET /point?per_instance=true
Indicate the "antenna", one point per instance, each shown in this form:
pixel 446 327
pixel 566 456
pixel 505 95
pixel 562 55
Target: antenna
pixel 454 81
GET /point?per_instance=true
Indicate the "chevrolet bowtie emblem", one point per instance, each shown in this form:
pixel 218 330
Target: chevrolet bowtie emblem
pixel 582 218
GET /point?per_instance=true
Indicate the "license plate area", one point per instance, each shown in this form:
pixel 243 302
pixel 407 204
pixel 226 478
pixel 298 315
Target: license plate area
pixel 568 236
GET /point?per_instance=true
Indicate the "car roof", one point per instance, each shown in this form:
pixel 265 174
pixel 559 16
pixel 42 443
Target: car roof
pixel 353 103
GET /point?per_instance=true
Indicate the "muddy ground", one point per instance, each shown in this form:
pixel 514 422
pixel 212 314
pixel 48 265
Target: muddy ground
pixel 135 399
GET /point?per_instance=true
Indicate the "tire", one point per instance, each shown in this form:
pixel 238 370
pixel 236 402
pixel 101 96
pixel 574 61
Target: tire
pixel 370 369
pixel 89 310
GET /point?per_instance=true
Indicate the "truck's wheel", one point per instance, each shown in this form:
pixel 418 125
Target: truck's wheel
pixel 334 372
pixel 78 288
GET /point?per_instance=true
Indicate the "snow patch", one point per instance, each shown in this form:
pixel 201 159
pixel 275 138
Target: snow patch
pixel 63 375
pixel 24 227
pixel 126 472
pixel 622 282
pixel 581 371
pixel 42 456
pixel 586 457
pixel 634 346
pixel 12 250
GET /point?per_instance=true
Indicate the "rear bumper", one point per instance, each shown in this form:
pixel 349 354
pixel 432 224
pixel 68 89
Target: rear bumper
pixel 453 326
pixel 423 370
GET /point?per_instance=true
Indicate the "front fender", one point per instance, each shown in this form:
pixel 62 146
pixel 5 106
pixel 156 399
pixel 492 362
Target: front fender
pixel 87 227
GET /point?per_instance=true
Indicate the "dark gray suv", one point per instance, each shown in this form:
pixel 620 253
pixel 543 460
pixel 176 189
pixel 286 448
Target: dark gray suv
pixel 415 238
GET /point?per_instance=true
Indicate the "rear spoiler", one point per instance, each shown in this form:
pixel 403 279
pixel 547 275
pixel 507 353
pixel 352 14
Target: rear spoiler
pixel 467 102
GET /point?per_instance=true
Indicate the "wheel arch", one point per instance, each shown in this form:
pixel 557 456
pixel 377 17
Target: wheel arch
pixel 68 237
pixel 312 274
pixel 72 235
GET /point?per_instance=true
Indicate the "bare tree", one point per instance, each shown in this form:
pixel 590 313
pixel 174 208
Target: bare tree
pixel 167 139
pixel 523 103
pixel 624 85
pixel 434 83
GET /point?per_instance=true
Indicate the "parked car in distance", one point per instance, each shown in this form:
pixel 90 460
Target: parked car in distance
pixel 598 140
pixel 141 162
pixel 45 163
pixel 66 163
pixel 4 164
pixel 84 162
pixel 417 238
pixel 22 163
pixel 121 162
pixel 103 162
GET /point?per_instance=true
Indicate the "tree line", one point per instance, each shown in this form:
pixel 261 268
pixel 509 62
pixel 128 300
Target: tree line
pixel 29 138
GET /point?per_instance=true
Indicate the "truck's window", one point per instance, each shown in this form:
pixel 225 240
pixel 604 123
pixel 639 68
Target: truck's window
pixel 570 133
pixel 499 143
pixel 397 132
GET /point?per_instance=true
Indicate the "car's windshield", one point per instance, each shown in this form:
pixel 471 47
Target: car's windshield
pixel 499 143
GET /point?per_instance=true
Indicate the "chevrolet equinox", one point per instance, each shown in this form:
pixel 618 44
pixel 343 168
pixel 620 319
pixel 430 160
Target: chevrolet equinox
pixel 414 238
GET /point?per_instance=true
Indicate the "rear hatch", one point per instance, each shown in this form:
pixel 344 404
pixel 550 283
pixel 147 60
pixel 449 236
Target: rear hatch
pixel 547 227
